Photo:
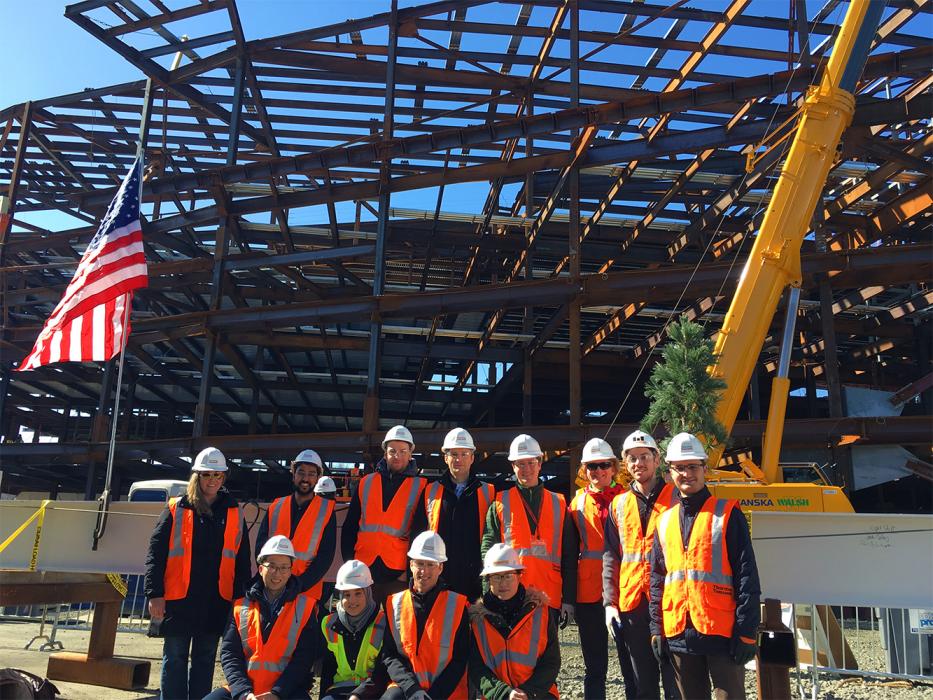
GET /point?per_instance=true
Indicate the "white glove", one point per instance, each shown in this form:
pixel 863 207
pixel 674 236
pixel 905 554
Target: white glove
pixel 613 621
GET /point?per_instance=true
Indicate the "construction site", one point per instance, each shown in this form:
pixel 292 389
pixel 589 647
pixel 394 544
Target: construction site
pixel 488 215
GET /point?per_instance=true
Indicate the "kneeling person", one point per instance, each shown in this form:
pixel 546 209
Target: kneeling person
pixel 425 655
pixel 353 635
pixel 515 653
pixel 269 646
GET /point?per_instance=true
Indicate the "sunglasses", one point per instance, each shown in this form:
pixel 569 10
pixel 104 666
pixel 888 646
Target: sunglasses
pixel 593 466
pixel 211 475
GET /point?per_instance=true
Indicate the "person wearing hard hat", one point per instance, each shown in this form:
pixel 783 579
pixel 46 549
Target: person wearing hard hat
pixel 704 582
pixel 515 651
pixel 629 536
pixel 378 525
pixel 588 511
pixel 270 642
pixel 425 653
pixel 532 519
pixel 308 521
pixel 353 635
pixel 198 563
pixel 455 508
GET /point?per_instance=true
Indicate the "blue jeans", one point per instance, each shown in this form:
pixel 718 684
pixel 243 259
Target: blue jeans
pixel 178 681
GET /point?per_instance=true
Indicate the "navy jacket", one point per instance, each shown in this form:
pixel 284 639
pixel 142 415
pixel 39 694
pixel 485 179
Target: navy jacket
pixel 295 680
pixel 745 584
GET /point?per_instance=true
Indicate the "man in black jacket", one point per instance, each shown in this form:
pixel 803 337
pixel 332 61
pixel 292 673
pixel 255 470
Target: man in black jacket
pixel 704 606
pixel 275 622
pixel 455 507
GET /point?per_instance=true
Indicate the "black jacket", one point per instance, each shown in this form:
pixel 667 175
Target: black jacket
pixel 295 680
pixel 351 525
pixel 460 527
pixel 351 647
pixel 504 617
pixel 746 585
pixel 393 665
pixel 202 611
pixel 320 565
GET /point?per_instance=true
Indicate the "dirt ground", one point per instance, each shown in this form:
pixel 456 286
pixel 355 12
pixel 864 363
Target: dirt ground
pixel 15 635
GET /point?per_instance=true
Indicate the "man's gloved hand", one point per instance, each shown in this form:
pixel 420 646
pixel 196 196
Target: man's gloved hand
pixel 566 615
pixel 743 650
pixel 613 621
pixel 659 648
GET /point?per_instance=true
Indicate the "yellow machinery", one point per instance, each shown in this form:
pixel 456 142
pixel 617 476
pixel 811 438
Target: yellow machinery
pixel 774 264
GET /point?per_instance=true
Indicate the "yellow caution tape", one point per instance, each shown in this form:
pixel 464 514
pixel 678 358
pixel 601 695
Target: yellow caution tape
pixel 117 581
pixel 35 543
pixel 40 513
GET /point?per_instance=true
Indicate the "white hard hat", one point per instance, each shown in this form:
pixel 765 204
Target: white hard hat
pixel 683 447
pixel 398 432
pixel 428 546
pixel 353 574
pixel 458 438
pixel 210 459
pixel 639 439
pixel 524 446
pixel 597 450
pixel 499 558
pixel 325 485
pixel 309 457
pixel 277 544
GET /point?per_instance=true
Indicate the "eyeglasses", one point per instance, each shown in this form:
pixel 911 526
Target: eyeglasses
pixel 643 457
pixel 465 454
pixel 424 564
pixel 209 476
pixel 393 452
pixel 503 577
pixel 683 469
pixel 277 569
pixel 593 466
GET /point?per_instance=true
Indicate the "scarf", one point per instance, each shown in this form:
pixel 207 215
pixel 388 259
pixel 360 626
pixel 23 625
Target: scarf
pixel 357 623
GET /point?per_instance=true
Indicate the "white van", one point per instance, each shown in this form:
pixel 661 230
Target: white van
pixel 157 490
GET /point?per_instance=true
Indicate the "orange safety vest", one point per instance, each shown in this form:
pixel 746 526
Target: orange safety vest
pixel 513 659
pixel 699 579
pixel 539 555
pixel 178 564
pixel 585 514
pixel 429 655
pixel 266 660
pixel 635 567
pixel 434 496
pixel 308 534
pixel 385 533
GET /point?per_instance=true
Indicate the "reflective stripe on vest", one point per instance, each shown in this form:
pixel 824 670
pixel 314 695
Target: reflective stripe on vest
pixel 513 659
pixel 434 497
pixel 265 661
pixel 542 562
pixel 385 533
pixel 178 563
pixel 307 535
pixel 365 657
pixel 699 579
pixel 635 546
pixel 429 655
pixel 585 513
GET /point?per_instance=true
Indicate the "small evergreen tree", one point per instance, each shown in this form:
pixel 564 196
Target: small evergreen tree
pixel 683 394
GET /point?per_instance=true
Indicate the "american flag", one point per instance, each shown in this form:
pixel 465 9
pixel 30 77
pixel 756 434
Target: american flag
pixel 88 323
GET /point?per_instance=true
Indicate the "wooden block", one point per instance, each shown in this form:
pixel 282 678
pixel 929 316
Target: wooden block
pixel 114 672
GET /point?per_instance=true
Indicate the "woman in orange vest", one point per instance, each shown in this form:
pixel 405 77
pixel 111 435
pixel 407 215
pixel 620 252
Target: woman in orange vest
pixel 588 511
pixel 270 642
pixel 198 562
pixel 515 654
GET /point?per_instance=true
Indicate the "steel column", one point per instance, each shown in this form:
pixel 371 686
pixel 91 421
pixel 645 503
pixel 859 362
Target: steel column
pixel 574 353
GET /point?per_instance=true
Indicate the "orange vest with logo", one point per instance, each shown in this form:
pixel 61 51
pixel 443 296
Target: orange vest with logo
pixel 635 567
pixel 265 661
pixel 434 496
pixel 698 580
pixel 585 514
pixel 429 655
pixel 178 564
pixel 513 658
pixel 308 534
pixel 384 533
pixel 540 554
